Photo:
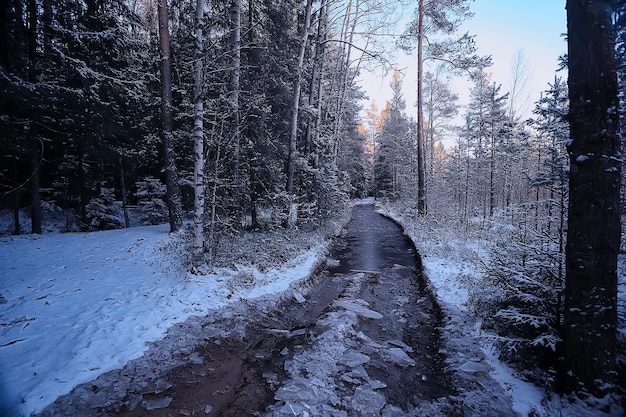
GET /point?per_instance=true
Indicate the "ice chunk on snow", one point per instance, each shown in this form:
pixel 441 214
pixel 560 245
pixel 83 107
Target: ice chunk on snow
pixel 398 357
pixel 298 391
pixel 157 403
pixel 367 402
pixel 392 411
pixel 299 297
pixel 358 309
pixel 401 344
pixel 196 359
pixel 474 366
pixel 366 341
pixel 376 384
pixel 359 372
pixel 353 358
pixel 332 262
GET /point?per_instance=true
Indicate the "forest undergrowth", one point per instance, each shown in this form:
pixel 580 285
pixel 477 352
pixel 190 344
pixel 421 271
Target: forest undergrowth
pixel 508 279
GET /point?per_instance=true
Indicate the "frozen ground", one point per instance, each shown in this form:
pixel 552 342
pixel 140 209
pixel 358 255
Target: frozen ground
pixel 77 306
pixel 452 265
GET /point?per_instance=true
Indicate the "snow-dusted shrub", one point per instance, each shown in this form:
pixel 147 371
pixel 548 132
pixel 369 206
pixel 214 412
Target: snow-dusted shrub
pixel 151 196
pixel 520 297
pixel 331 193
pixel 103 212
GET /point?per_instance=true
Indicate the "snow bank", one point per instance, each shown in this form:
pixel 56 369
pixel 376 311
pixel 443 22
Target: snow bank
pixel 452 266
pixel 74 306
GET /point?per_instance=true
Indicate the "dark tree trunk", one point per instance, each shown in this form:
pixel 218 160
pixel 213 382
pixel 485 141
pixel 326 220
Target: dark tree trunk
pixel 421 183
pixel 82 192
pixel 16 198
pixel 171 173
pixel 593 235
pixel 4 35
pixel 47 30
pixel 235 46
pixel 35 211
pixel 123 191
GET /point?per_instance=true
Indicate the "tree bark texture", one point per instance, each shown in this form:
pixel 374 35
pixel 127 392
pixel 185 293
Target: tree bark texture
pixel 123 191
pixel 198 140
pixel 593 235
pixel 35 212
pixel 421 185
pixel 293 132
pixel 169 153
pixel 235 46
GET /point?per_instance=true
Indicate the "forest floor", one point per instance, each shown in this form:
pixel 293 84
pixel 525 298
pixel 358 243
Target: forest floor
pixel 351 329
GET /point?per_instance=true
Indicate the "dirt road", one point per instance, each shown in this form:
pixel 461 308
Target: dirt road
pixel 360 338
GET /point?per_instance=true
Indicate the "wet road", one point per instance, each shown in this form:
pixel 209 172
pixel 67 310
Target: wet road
pixel 360 338
pixel 394 287
pixel 373 243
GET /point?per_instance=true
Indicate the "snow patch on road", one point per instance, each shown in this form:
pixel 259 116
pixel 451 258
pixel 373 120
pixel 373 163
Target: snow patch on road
pixel 327 377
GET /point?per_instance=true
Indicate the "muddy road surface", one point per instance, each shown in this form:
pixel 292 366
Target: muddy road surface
pixel 360 338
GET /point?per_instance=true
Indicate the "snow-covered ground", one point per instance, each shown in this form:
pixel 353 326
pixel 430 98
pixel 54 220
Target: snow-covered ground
pixel 74 306
pixel 452 265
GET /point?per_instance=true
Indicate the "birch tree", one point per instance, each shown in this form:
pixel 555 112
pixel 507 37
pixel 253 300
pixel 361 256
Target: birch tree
pixel 198 138
pixel 293 127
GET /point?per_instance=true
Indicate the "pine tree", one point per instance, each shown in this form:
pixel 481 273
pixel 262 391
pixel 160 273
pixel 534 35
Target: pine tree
pixel 394 149
pixel 171 172
pixel 593 233
pixel 432 18
pixel 486 130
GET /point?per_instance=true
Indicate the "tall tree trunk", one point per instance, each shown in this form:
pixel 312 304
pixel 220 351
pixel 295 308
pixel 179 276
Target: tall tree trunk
pixel 293 131
pixel 593 235
pixel 421 186
pixel 82 192
pixel 316 74
pixel 36 143
pixel 213 204
pixel 171 174
pixel 492 154
pixel 47 31
pixel 4 36
pixel 349 28
pixel 17 188
pixel 198 140
pixel 323 36
pixel 123 191
pixel 235 46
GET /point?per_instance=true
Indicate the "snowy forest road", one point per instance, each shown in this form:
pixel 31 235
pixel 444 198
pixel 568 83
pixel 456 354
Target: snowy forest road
pixel 359 338
pixel 365 340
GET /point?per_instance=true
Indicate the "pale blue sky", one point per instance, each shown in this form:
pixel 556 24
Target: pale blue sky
pixel 502 28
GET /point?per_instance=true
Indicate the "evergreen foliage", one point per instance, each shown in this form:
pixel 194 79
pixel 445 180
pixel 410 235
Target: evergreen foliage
pixel 83 91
